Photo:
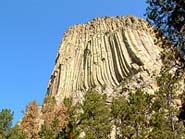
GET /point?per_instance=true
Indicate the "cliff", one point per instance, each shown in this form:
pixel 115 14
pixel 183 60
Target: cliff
pixel 103 54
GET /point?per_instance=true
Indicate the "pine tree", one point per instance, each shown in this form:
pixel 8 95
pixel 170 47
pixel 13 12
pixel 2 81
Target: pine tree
pixel 71 130
pixel 168 17
pixel 29 123
pixel 95 116
pixel 6 129
pixel 140 105
pixel 165 120
pixel 54 119
pixel 6 117
pixel 132 115
pixel 16 133
pixel 47 109
pixel 120 111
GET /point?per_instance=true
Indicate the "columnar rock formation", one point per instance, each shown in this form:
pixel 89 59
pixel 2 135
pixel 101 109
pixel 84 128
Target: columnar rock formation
pixel 102 54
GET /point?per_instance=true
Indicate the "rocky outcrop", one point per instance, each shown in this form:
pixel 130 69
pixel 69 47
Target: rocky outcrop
pixel 103 54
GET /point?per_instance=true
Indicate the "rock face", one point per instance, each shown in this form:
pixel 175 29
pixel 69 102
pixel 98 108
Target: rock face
pixel 103 54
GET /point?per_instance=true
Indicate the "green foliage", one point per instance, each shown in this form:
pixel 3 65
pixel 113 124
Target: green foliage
pixel 131 115
pixel 71 129
pixel 140 105
pixel 6 129
pixel 165 118
pixel 54 119
pixel 168 16
pixel 52 132
pixel 144 116
pixel 46 133
pixel 16 133
pixel 95 116
pixel 6 117
pixel 120 111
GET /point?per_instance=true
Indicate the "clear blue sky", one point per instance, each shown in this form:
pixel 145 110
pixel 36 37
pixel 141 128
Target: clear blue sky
pixel 30 34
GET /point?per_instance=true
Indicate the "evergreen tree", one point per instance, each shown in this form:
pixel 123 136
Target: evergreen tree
pixel 29 123
pixel 169 17
pixel 71 130
pixel 6 117
pixel 95 116
pixel 140 111
pixel 120 111
pixel 165 120
pixel 16 133
pixel 131 115
pixel 54 119
pixel 6 129
pixel 46 131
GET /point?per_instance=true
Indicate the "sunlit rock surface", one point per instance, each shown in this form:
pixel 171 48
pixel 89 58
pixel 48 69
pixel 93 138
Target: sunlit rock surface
pixel 103 54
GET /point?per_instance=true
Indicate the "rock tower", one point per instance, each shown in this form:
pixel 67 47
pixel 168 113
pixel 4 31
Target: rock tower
pixel 103 54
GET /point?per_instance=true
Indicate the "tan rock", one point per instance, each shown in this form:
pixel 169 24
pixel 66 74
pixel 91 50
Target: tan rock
pixel 178 102
pixel 101 54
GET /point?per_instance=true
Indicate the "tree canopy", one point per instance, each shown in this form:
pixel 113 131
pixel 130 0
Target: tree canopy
pixel 169 17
